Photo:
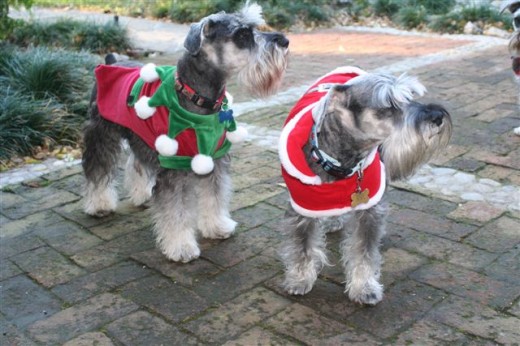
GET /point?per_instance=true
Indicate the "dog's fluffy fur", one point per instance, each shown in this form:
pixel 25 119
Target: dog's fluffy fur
pixel 218 47
pixel 370 112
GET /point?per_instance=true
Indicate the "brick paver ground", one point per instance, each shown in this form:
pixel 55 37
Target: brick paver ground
pixel 451 271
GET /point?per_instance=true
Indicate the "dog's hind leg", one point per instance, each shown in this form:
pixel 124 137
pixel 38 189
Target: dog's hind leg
pixel 303 252
pixel 102 146
pixel 214 192
pixel 174 210
pixel 141 168
pixel 361 257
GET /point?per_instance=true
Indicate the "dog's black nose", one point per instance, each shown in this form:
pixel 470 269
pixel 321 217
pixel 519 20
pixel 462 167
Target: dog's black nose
pixel 437 118
pixel 279 39
pixel 436 114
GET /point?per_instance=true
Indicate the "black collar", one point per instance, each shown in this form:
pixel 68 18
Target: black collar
pixel 328 163
pixel 198 99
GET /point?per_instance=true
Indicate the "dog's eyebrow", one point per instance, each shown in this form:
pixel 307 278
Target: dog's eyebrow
pixel 252 14
pixel 389 91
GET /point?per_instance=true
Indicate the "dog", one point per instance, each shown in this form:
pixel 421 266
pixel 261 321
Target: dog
pixel 350 133
pixel 514 44
pixel 179 128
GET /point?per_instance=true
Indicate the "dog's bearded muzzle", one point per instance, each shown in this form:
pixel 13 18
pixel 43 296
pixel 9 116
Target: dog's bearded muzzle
pixel 425 133
pixel 429 121
pixel 263 74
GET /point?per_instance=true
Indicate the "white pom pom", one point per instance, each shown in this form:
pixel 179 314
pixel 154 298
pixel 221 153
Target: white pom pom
pixel 202 164
pixel 229 98
pixel 238 135
pixel 166 146
pixel 142 109
pixel 148 73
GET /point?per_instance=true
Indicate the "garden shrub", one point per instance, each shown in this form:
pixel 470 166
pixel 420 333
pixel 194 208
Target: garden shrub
pixel 387 8
pixel 72 34
pixel 44 97
pixel 409 17
pixel 433 6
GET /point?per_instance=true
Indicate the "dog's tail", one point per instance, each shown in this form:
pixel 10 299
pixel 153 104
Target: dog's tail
pixel 110 59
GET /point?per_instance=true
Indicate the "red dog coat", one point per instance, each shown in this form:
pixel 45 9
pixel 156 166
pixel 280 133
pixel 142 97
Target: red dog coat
pixel 309 196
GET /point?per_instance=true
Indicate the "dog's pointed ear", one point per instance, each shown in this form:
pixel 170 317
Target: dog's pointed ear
pixel 340 94
pixel 197 33
pixel 210 29
pixel 193 41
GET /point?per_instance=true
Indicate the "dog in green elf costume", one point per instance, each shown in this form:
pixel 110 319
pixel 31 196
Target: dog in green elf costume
pixel 179 126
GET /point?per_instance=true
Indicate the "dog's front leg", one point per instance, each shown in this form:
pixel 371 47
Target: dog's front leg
pixel 174 211
pixel 361 257
pixel 303 252
pixel 214 192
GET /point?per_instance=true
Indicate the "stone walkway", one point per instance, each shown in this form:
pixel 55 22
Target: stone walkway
pixel 452 250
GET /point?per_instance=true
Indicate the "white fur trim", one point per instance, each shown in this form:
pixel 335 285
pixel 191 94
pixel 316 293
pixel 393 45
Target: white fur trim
pixel 143 110
pixel 284 154
pixel 229 98
pixel 340 211
pixel 252 14
pixel 238 135
pixel 342 70
pixel 516 131
pixel 148 73
pixel 166 146
pixel 202 164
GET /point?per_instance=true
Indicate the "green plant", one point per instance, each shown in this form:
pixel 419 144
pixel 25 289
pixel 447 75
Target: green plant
pixel 433 6
pixel 161 11
pixel 411 17
pixel 72 34
pixel 387 8
pixel 479 13
pixel 101 38
pixel 450 23
pixel 7 25
pixel 279 18
pixel 454 21
pixel 26 123
pixel 359 8
pixel 44 73
pixel 43 97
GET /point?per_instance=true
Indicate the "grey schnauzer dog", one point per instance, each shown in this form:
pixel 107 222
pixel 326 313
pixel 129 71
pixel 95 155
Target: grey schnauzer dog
pixel 348 134
pixel 179 128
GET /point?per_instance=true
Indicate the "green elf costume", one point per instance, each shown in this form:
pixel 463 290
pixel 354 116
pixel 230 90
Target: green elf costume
pixel 145 101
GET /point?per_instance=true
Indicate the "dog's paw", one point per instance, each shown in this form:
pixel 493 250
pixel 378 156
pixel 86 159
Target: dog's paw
pixel 370 293
pixel 100 208
pixel 100 201
pixel 299 281
pixel 182 253
pixel 298 289
pixel 221 228
pixel 100 213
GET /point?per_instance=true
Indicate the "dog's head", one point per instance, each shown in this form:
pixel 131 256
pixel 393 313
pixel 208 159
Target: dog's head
pixel 233 43
pixel 379 110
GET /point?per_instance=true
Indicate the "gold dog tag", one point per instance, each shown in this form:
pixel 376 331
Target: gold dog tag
pixel 359 197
